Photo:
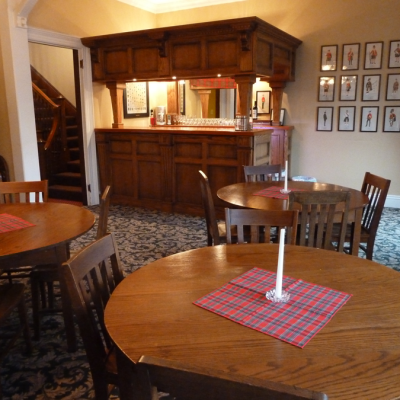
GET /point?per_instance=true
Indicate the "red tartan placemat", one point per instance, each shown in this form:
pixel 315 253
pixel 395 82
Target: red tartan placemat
pixel 275 192
pixel 10 223
pixel 243 300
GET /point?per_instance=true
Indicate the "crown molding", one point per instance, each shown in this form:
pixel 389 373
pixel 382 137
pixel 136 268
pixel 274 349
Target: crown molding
pixel 162 6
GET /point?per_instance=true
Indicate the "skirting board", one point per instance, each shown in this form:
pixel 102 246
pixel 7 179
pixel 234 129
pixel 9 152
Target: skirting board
pixel 392 201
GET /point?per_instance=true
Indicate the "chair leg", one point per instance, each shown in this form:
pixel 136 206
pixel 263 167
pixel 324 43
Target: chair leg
pixel 35 285
pixel 23 317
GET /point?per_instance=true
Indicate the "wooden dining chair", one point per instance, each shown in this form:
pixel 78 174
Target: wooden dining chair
pixel 376 188
pixel 21 192
pixel 188 382
pixel 11 299
pixel 318 210
pixel 43 277
pixel 216 233
pixel 256 173
pixel 260 223
pixel 91 276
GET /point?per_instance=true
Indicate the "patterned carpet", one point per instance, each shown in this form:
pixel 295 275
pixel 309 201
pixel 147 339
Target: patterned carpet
pixel 143 236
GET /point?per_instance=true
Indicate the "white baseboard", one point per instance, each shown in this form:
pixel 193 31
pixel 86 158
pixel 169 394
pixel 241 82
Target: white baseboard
pixel 392 201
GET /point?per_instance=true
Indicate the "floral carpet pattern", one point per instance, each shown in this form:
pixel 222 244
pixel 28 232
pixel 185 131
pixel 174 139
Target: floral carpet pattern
pixel 143 236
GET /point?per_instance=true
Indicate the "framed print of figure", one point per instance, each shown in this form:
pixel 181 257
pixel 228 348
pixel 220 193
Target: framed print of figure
pixel 263 102
pixel 394 54
pixel 350 56
pixel 392 88
pixel 373 55
pixel 348 87
pixel 371 87
pixel 136 100
pixel 346 118
pixel 329 58
pixel 326 88
pixel 391 121
pixel 324 118
pixel 369 119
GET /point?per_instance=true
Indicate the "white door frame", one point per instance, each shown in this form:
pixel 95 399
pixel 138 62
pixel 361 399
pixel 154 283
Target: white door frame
pixel 86 90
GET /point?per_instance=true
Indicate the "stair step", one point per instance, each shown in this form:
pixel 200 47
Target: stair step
pixel 68 179
pixel 65 192
pixel 74 166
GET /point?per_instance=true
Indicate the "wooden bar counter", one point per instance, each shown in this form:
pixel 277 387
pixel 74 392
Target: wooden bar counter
pixel 158 167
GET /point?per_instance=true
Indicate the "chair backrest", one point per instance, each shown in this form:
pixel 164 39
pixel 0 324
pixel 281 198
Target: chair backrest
pixel 318 211
pixel 260 222
pixel 376 188
pixel 188 382
pixel 21 192
pixel 255 173
pixel 103 214
pixel 91 275
pixel 209 211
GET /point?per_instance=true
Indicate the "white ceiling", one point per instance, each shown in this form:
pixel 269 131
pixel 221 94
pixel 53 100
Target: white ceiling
pixel 162 6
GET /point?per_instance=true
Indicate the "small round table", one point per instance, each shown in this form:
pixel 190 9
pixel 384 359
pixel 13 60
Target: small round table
pixel 355 356
pixel 55 225
pixel 242 194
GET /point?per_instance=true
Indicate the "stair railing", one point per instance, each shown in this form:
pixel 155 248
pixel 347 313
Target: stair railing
pixel 46 113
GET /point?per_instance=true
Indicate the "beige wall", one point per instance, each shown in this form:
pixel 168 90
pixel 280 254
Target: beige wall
pixel 338 157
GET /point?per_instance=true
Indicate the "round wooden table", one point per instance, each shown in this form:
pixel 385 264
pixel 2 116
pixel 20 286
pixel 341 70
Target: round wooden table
pixel 56 224
pixel 355 356
pixel 242 194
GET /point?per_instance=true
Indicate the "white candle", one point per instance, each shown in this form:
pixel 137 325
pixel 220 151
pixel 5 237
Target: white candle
pixel 286 174
pixel 279 273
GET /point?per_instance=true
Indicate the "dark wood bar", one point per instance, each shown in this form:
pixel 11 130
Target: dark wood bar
pixel 159 167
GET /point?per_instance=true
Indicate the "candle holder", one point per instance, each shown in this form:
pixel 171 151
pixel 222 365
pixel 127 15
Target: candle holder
pixel 270 295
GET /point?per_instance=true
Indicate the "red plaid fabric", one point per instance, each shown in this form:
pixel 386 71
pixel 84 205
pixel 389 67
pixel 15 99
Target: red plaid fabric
pixel 214 83
pixel 275 192
pixel 10 223
pixel 243 300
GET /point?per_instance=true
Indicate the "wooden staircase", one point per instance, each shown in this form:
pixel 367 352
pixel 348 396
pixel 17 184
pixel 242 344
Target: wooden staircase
pixel 61 163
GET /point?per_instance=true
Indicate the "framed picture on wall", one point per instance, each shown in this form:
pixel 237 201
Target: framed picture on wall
pixel 329 57
pixel 369 119
pixel 136 100
pixel 373 55
pixel 346 118
pixel 392 87
pixel 371 87
pixel 324 118
pixel 326 88
pixel 348 87
pixel 350 56
pixel 391 119
pixel 263 99
pixel 394 54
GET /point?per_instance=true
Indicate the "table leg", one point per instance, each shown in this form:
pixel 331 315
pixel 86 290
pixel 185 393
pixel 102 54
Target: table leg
pixel 356 232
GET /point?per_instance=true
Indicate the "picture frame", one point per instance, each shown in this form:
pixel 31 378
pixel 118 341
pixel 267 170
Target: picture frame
pixel 392 87
pixel 391 119
pixel 369 119
pixel 181 98
pixel 373 55
pixel 348 87
pixel 136 100
pixel 326 88
pixel 324 118
pixel 263 99
pixel 329 57
pixel 346 118
pixel 371 87
pixel 394 54
pixel 350 56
